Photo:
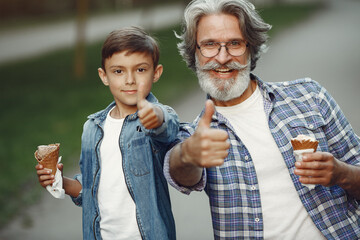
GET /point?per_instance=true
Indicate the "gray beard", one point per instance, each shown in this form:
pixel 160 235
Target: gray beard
pixel 220 89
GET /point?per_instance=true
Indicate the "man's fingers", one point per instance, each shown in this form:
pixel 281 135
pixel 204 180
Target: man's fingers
pixel 209 111
pixel 213 163
pixel 217 135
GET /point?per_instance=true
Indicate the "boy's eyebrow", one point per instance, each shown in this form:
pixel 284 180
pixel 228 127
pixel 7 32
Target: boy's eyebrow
pixel 137 65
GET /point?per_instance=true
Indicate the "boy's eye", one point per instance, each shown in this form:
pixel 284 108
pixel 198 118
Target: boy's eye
pixel 118 71
pixel 141 69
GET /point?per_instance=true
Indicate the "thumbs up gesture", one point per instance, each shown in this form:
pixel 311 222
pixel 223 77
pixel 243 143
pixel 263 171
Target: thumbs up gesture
pixel 207 147
pixel 150 115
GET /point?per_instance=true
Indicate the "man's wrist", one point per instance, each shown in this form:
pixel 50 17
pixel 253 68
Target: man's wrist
pixel 184 157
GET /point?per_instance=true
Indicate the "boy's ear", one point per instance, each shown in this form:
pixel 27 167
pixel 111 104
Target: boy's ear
pixel 158 71
pixel 102 75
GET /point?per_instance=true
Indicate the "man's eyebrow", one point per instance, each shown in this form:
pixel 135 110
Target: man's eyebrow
pixel 212 40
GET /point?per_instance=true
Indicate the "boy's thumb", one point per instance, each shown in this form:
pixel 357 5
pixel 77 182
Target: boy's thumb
pixel 140 95
pixel 141 92
pixel 209 111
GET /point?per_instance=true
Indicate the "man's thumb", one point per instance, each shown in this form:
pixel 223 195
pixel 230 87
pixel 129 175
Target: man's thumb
pixel 209 111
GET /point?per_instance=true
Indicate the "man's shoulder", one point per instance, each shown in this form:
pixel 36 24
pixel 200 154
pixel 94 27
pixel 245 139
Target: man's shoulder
pixel 301 85
pixel 292 83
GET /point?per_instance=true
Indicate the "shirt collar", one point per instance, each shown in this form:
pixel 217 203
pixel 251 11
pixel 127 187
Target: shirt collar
pixel 266 90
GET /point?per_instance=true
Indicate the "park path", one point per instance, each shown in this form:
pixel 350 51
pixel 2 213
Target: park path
pixel 31 41
pixel 324 47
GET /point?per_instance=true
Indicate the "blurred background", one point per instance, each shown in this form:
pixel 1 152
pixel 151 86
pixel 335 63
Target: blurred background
pixel 49 55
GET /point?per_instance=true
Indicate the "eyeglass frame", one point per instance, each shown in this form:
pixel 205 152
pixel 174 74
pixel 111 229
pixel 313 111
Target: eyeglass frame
pixel 224 44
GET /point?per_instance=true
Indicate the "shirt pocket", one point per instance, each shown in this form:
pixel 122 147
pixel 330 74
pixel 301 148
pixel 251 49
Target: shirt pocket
pixel 140 156
pixel 310 125
pixel 311 122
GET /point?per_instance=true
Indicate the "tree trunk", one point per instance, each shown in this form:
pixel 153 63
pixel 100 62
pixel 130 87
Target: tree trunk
pixel 79 65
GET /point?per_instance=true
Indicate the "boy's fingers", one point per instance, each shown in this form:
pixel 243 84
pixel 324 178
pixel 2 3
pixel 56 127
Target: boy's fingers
pixel 60 166
pixel 39 166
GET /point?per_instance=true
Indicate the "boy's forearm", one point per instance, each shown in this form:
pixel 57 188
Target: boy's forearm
pixel 71 186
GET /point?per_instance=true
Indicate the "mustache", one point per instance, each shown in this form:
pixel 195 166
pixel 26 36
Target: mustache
pixel 231 65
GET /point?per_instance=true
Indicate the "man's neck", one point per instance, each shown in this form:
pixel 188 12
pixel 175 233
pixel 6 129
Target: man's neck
pixel 247 93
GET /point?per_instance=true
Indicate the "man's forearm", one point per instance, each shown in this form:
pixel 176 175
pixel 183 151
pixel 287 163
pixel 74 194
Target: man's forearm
pixel 350 180
pixel 185 174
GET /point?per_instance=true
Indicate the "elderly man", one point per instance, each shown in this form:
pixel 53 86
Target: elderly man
pixel 239 151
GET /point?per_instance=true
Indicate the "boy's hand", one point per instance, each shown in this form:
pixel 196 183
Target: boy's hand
pixel 150 115
pixel 45 176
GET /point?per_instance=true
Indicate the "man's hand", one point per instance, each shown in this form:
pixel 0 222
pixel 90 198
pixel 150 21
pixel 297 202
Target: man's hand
pixel 318 168
pixel 150 115
pixel 322 168
pixel 208 147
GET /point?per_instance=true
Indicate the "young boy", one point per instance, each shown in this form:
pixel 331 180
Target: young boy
pixel 121 188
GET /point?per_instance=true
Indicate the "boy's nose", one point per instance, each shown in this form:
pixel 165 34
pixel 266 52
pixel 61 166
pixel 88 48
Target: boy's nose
pixel 130 79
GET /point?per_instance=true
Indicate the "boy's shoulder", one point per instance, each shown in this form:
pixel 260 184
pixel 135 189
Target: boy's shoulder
pixel 101 115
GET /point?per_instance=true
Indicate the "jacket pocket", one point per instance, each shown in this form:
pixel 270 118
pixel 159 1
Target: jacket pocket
pixel 140 156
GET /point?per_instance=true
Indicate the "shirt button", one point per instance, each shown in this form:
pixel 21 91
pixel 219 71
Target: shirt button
pixel 257 219
pixel 246 157
pixel 311 126
pixel 253 188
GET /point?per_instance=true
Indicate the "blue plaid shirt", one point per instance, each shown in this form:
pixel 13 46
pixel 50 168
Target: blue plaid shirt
pixel 297 107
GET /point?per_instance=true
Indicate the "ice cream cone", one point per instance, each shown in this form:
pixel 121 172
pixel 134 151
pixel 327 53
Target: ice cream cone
pixel 302 142
pixel 306 144
pixel 48 156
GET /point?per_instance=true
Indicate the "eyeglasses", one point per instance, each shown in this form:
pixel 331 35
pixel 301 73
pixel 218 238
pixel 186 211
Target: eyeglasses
pixel 235 48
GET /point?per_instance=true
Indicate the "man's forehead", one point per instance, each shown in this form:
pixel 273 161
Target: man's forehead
pixel 218 27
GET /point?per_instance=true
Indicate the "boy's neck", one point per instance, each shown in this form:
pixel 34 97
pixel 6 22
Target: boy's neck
pixel 118 113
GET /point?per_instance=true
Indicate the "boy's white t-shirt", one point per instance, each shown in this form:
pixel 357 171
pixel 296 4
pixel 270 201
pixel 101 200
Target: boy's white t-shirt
pixel 117 208
pixel 284 215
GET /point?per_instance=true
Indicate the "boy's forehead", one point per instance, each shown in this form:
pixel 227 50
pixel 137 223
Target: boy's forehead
pixel 126 56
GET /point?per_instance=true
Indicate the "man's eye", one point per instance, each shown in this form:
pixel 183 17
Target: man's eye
pixel 234 43
pixel 209 45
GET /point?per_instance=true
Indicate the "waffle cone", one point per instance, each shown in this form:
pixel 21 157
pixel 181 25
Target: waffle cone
pixel 304 144
pixel 48 156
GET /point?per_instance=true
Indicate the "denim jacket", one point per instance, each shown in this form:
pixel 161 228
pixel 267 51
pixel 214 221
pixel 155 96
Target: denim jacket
pixel 143 154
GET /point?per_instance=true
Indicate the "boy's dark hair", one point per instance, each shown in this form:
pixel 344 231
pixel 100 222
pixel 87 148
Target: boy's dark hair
pixel 131 39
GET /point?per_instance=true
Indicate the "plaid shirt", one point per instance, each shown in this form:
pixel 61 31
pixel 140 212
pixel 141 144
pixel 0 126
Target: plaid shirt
pixel 297 107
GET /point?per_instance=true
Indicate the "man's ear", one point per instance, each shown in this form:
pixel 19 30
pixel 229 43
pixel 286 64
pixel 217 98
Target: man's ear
pixel 103 77
pixel 158 71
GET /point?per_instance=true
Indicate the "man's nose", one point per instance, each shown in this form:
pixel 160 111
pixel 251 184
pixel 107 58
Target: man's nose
pixel 223 56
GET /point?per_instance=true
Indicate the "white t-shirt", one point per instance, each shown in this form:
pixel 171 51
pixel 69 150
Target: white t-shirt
pixel 284 215
pixel 117 208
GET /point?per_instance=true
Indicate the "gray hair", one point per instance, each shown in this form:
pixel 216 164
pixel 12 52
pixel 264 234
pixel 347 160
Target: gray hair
pixel 252 26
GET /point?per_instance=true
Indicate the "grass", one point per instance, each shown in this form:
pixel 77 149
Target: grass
pixel 42 102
